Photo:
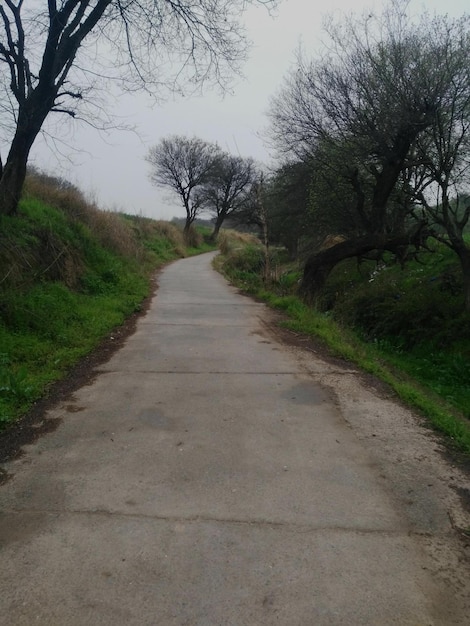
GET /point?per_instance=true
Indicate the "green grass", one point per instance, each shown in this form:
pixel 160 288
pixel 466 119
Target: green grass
pixel 201 249
pixel 46 327
pixel 417 343
pixel 200 241
pixel 65 284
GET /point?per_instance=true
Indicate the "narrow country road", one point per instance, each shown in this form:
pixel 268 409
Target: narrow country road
pixel 211 476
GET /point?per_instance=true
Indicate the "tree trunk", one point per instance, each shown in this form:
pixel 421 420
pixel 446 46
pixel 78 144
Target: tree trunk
pixel 30 120
pixel 187 228
pixel 267 258
pixel 463 252
pixel 321 263
pixel 456 241
pixel 466 286
pixel 11 184
pixel 217 226
pixel 387 179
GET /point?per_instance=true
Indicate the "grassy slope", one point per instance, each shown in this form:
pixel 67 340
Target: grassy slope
pixel 407 327
pixel 69 274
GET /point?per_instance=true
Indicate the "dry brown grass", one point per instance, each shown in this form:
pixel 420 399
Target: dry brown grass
pixel 48 258
pixel 114 233
pixel 229 240
pixel 331 240
pixel 56 192
pixel 171 232
pixel 111 229
pixel 14 262
pixel 193 238
pixel 146 229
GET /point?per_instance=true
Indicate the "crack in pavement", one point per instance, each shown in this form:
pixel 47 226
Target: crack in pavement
pixel 203 373
pixel 201 519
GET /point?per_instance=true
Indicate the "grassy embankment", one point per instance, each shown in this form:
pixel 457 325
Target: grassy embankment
pixel 69 275
pixel 407 327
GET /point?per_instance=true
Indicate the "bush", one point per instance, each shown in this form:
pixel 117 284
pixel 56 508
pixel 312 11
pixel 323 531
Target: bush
pixel 407 307
pixel 193 237
pixel 233 239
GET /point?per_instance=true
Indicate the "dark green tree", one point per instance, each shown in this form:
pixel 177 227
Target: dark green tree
pixel 378 89
pixel 287 196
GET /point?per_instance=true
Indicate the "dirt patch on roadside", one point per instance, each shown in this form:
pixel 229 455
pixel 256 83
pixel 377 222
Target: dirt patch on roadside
pixel 357 391
pixel 426 477
pixel 318 349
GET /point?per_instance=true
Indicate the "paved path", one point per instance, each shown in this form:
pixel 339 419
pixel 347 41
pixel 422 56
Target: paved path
pixel 205 479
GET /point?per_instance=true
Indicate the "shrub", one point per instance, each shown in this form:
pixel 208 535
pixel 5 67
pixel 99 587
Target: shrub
pixel 230 239
pixel 193 237
pixel 171 232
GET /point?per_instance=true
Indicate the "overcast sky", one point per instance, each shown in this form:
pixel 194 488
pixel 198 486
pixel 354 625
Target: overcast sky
pixel 111 168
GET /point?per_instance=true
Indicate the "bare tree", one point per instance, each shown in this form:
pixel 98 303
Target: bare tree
pixel 443 158
pixel 227 189
pixel 184 165
pixel 52 50
pixel 374 93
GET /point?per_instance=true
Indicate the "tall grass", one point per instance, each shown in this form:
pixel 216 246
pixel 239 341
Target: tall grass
pixel 229 241
pixel 109 230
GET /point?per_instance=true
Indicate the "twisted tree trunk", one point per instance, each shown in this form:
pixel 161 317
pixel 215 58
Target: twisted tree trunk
pixel 217 226
pixel 320 264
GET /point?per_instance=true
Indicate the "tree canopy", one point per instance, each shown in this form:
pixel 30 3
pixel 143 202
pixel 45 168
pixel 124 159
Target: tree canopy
pixel 227 191
pixel 205 178
pixel 183 165
pixel 382 115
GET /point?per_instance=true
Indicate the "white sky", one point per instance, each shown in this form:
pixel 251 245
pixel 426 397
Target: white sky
pixel 112 168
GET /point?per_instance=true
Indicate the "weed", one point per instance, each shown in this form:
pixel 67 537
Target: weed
pixel 15 387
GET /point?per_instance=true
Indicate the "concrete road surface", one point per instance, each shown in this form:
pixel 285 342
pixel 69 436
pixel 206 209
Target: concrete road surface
pixel 204 478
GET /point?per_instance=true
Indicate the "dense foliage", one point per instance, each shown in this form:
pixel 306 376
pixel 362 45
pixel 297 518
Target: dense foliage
pixel 381 117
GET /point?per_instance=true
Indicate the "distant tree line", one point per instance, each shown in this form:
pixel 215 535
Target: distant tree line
pixel 205 178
